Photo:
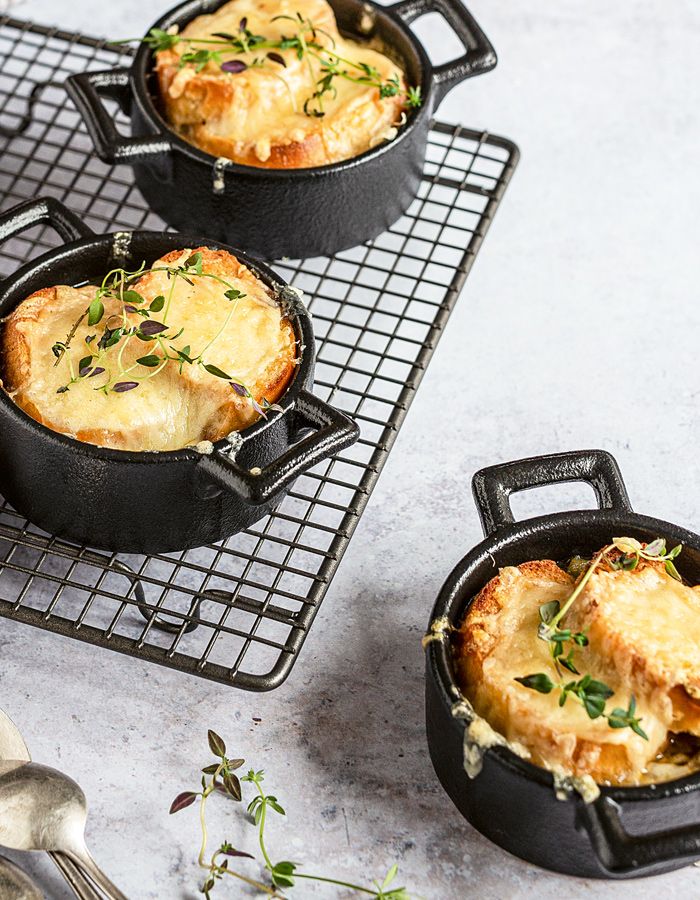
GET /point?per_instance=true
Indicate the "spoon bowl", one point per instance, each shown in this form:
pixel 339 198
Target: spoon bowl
pixel 43 809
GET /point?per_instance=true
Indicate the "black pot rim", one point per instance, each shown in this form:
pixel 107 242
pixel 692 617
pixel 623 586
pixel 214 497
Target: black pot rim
pixel 299 318
pixel 451 604
pixel 142 68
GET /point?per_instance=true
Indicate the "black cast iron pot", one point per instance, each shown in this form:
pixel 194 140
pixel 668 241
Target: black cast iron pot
pixel 157 501
pixel 281 212
pixel 626 832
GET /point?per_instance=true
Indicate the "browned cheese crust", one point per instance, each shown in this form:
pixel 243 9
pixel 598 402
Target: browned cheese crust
pixel 256 117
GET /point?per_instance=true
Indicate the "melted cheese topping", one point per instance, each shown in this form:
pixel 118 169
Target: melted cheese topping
pixel 643 629
pixel 257 117
pixel 647 625
pixel 168 410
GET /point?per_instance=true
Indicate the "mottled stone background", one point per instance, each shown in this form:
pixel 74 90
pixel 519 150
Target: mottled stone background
pixel 578 328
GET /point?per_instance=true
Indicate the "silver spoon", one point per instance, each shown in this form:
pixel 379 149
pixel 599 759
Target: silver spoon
pixel 16 884
pixel 12 746
pixel 43 809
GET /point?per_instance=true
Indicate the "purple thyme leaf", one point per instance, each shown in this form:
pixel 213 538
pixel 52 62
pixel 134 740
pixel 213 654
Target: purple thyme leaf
pixel 239 389
pixel 98 370
pixel 130 309
pixel 243 24
pixel 186 798
pixel 152 327
pixel 232 852
pixel 234 66
pixel 122 386
pixel 276 57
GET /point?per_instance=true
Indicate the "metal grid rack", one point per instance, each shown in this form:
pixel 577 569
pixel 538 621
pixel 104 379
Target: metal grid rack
pixel 238 612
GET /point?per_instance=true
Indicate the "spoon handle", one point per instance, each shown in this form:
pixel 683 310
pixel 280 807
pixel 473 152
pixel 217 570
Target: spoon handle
pixel 79 884
pixel 89 867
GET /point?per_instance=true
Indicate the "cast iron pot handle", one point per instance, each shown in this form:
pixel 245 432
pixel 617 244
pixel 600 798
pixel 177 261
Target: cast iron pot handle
pixel 46 211
pixel 620 853
pixel 493 486
pixel 480 56
pixel 87 90
pixel 333 431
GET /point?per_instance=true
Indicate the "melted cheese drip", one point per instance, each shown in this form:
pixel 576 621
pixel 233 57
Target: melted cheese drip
pixel 263 107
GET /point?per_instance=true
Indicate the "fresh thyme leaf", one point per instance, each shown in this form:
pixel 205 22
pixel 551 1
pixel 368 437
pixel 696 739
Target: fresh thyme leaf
pixel 538 682
pixel 548 611
pixel 161 40
pixel 414 97
pixel 232 785
pixel 194 263
pixel 282 873
pixel 672 570
pixel 216 744
pixel 656 547
pixel 627 545
pixel 183 800
pixel 215 370
pixel 240 389
pixel 233 66
pixel 568 662
pixel 62 390
pixel 84 364
pixel 152 327
pixel 233 294
pixel 150 361
pixel 277 58
pixel 133 297
pixel 95 311
pixel 110 337
pixel 157 303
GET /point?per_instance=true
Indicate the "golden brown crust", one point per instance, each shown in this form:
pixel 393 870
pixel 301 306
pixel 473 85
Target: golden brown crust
pixel 256 117
pixel 255 345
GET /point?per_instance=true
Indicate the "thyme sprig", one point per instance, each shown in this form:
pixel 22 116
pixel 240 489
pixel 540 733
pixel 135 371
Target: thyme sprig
pixel 304 42
pixel 623 553
pixel 592 695
pixel 118 331
pixel 222 778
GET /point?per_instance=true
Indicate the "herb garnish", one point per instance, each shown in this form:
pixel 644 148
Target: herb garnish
pixel 118 331
pixel 304 41
pixel 222 778
pixel 593 694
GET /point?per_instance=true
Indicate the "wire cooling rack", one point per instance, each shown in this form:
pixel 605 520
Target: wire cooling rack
pixel 238 612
